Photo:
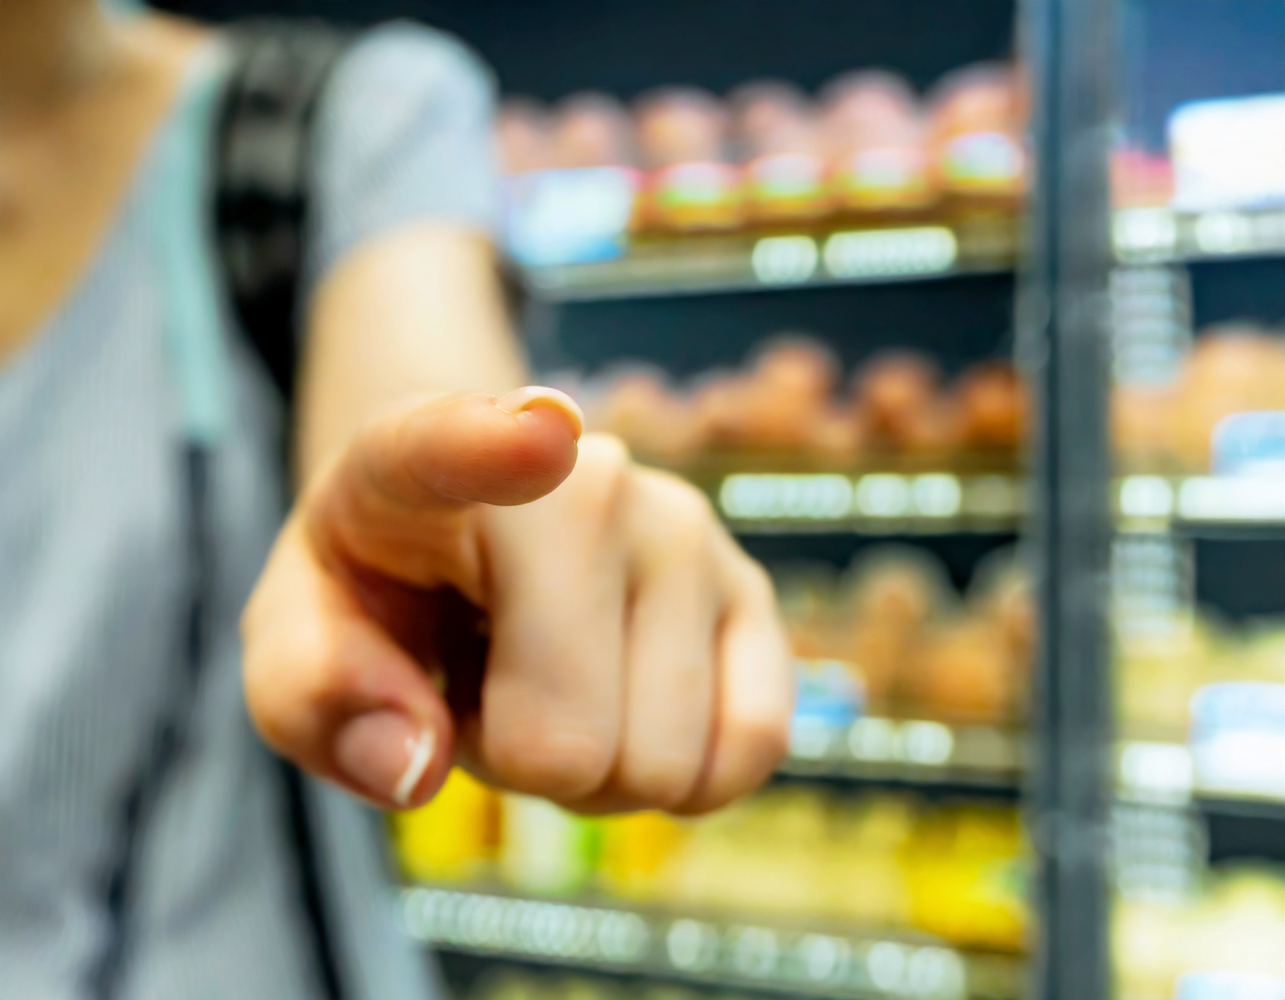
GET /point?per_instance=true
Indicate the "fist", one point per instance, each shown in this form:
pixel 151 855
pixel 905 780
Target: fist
pixel 471 582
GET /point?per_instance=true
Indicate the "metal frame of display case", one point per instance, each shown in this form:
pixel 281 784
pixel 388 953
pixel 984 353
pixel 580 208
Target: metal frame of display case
pixel 1062 323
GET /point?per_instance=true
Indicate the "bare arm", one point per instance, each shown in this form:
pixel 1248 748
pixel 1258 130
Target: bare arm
pixel 413 312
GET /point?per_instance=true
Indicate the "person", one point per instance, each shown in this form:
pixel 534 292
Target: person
pixel 463 578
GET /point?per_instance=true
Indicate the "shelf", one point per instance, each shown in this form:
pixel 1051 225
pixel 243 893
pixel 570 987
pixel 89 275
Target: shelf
pixel 747 263
pixel 912 753
pixel 1221 506
pixel 1161 235
pixel 935 503
pixel 949 502
pixel 942 759
pixel 609 937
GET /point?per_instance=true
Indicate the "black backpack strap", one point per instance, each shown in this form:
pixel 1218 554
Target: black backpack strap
pixel 264 147
pixel 261 199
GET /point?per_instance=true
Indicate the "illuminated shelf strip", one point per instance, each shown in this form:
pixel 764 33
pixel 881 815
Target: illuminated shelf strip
pixel 1171 774
pixel 922 751
pixel 906 750
pixel 1158 235
pixel 1145 501
pixel 933 501
pixel 789 261
pixel 617 939
pixel 942 500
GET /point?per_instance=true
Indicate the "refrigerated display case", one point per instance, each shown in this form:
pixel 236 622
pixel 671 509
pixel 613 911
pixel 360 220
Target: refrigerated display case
pixel 777 255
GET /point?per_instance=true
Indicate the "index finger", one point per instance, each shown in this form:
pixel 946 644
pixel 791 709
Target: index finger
pixel 395 500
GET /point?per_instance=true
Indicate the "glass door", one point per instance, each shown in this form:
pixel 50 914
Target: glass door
pixel 1197 307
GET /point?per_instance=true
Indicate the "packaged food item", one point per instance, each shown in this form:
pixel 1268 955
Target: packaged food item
pixel 992 408
pixel 592 130
pixel 1238 737
pixel 1233 368
pixel 888 598
pixel 961 672
pixel 786 406
pixel 829 697
pixel 693 185
pixel 571 191
pixel 765 855
pixel 546 850
pixel 796 853
pixel 452 839
pixel 1235 939
pixel 967 872
pixel 781 142
pixel 1001 593
pixel 524 134
pixel 867 882
pixel 977 150
pixel 784 403
pixel 893 392
pixel 876 137
pixel 1150 946
pixel 637 855
pixel 1140 179
pixel 1142 425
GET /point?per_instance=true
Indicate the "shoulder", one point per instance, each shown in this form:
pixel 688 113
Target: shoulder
pixel 402 65
pixel 404 134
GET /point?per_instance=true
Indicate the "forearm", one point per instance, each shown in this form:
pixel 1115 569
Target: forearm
pixel 414 312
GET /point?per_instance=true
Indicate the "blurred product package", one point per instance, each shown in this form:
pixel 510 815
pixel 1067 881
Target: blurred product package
pixel 1229 154
pixel 788 404
pixel 1224 943
pixel 588 177
pixel 798 853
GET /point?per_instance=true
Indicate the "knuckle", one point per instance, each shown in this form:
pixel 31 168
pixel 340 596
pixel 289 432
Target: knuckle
pixel 659 782
pixel 684 512
pixel 542 758
pixel 601 478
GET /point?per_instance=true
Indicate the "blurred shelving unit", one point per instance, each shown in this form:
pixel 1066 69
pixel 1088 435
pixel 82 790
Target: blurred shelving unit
pixel 713 265
pixel 768 957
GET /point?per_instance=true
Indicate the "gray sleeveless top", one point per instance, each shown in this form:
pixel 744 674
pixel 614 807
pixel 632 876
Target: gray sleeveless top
pixel 93 587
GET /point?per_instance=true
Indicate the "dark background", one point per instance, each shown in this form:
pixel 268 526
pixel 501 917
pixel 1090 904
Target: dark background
pixel 549 48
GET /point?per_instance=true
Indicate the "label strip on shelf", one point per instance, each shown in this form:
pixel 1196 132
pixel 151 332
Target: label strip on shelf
pixel 731 264
pixel 909 750
pixel 924 502
pixel 617 939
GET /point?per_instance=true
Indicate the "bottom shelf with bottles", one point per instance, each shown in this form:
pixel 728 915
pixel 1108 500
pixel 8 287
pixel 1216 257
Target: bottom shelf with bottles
pixel 803 888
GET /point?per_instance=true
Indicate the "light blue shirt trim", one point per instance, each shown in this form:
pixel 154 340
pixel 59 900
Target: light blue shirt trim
pixel 192 306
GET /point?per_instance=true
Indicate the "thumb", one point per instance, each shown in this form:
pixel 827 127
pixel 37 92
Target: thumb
pixel 341 633
pixel 398 499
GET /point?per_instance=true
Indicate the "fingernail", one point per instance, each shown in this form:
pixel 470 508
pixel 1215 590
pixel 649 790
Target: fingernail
pixel 531 396
pixel 385 754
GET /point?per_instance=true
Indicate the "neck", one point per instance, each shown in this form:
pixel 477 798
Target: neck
pixel 49 51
